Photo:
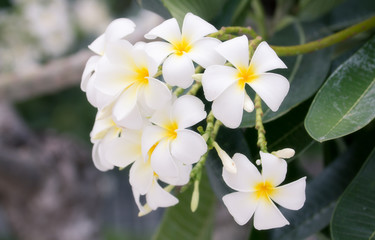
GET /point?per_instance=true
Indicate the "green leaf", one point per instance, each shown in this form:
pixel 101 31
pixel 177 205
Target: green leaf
pixel 155 6
pixel 180 223
pixel 346 101
pixel 286 131
pixel 354 216
pixel 206 9
pixel 312 9
pixel 305 73
pixel 322 193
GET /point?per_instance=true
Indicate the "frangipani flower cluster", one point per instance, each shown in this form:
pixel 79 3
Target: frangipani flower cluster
pixel 143 123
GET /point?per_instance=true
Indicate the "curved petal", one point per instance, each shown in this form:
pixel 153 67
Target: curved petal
pixel 268 216
pixel 96 97
pixel 98 46
pixel 178 70
pixel 120 53
pixel 88 71
pixel 236 51
pixel 158 197
pixel 151 135
pixel 167 30
pixel 187 111
pixel 188 147
pixel 203 52
pixel 228 107
pixel 183 175
pixel 265 59
pixel 246 177
pixel 162 161
pixel 125 110
pixel 121 152
pixel 159 50
pixel 241 206
pixel 119 28
pixel 216 79
pixel 156 93
pixel 272 89
pixel 98 160
pixel 141 176
pixel 194 27
pixel 101 127
pixel 291 196
pixel 273 168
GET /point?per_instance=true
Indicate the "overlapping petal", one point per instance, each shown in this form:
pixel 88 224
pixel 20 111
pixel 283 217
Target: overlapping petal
pixel 203 52
pixel 236 51
pixel 187 110
pixel 158 197
pixel 273 168
pixel 162 161
pixel 88 71
pixel 272 89
pixel 159 50
pixel 141 176
pixel 151 136
pixel 241 206
pixel 98 159
pixel 178 70
pixel 246 177
pixel 167 30
pixel 265 59
pixel 156 93
pixel 228 107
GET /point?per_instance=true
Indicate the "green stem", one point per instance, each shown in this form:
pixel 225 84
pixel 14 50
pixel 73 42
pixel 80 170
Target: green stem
pixel 230 32
pixel 262 143
pixel 327 41
pixel 194 89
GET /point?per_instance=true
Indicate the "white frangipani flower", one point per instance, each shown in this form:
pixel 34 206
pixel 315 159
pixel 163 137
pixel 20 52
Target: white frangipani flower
pixel 126 75
pixel 256 192
pixel 168 142
pixel 183 47
pixel 225 85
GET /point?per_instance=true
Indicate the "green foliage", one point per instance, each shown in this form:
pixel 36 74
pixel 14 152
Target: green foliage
pixel 354 216
pixel 342 104
pixel 180 223
pixel 312 9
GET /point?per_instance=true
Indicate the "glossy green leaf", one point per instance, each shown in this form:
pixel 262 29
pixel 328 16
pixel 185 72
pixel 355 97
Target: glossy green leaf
pixel 287 131
pixel 180 223
pixel 346 101
pixel 206 9
pixel 305 73
pixel 312 9
pixel 354 216
pixel 322 194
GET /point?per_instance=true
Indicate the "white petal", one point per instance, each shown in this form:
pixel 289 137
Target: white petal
pixel 162 116
pixel 248 104
pixel 158 197
pixel 291 196
pixel 183 175
pixel 187 111
pixel 125 110
pixel 228 107
pixel 246 177
pixel 272 89
pixel 96 97
pixel 162 161
pixel 101 126
pixel 141 176
pixel 216 79
pixel 119 28
pixel 159 50
pixel 265 59
pixel 236 51
pixel 168 30
pixel 88 71
pixel 194 27
pixel 151 135
pixel 188 147
pixel 203 52
pixel 98 46
pixel 121 152
pixel 120 53
pixel 156 93
pixel 273 168
pixel 98 160
pixel 268 216
pixel 241 206
pixel 178 70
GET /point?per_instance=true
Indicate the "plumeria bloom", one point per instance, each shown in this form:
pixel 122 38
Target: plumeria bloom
pixel 256 192
pixel 116 30
pixel 183 47
pixel 126 75
pixel 225 85
pixel 104 130
pixel 168 142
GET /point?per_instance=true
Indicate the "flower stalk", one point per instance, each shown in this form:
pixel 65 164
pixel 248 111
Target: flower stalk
pixel 262 143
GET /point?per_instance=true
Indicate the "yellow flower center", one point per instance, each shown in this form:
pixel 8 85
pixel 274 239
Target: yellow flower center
pixel 181 47
pixel 264 189
pixel 141 75
pixel 171 130
pixel 245 75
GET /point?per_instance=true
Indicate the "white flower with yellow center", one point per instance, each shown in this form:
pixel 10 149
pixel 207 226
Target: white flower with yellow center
pixel 256 192
pixel 116 30
pixel 168 142
pixel 126 75
pixel 183 47
pixel 225 85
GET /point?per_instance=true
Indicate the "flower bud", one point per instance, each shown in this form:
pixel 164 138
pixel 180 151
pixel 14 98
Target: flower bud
pixel 284 153
pixel 195 197
pixel 227 161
